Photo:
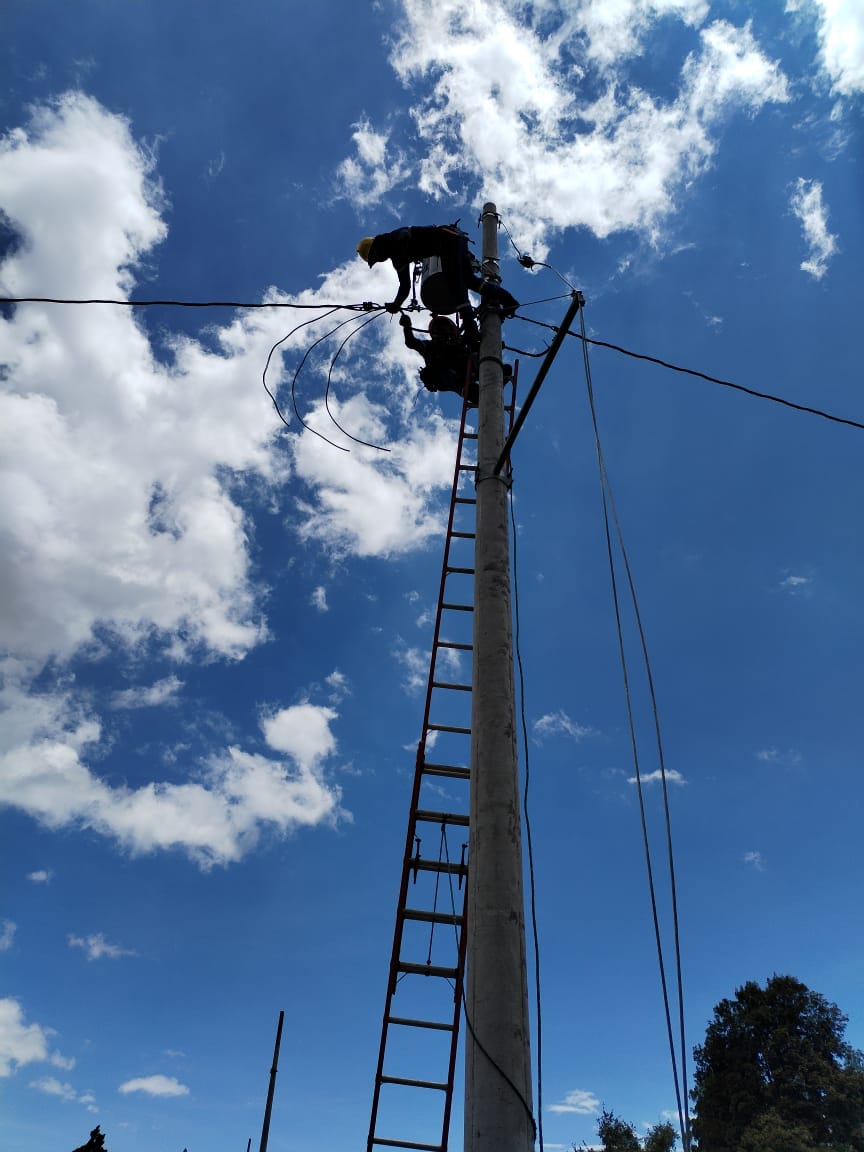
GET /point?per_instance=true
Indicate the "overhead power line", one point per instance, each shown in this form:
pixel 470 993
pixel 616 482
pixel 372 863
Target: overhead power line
pixel 702 375
pixel 366 306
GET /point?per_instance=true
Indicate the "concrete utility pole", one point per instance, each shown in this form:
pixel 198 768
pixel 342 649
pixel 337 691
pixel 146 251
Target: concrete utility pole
pixel 497 1045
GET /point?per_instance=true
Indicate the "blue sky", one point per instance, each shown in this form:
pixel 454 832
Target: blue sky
pixel 216 629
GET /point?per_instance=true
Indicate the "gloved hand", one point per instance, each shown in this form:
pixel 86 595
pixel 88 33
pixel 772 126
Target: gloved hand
pixel 393 307
pixel 405 320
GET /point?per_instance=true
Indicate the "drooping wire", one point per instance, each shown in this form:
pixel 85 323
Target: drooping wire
pixel 356 439
pixel 528 836
pixel 608 503
pixel 468 1024
pixel 700 375
pixel 270 356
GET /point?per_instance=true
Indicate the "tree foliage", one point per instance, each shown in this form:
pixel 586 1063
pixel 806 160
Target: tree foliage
pixel 96 1143
pixel 619 1136
pixel 775 1075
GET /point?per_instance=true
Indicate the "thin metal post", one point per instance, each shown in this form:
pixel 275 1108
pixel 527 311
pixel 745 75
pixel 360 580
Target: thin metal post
pixel 265 1131
pixel 497 1047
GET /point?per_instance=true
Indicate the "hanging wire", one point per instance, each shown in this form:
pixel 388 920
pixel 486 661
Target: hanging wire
pixel 525 260
pixel 607 504
pixel 528 836
pixel 356 439
pixel 270 356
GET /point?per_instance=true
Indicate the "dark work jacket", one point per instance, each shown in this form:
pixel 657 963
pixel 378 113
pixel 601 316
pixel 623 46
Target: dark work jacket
pixel 445 363
pixel 405 246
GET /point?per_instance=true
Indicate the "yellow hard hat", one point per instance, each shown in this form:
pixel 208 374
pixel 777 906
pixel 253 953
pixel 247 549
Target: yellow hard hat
pixel 364 247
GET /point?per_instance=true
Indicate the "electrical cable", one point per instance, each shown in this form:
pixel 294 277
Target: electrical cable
pixel 608 502
pixel 270 355
pixel 366 306
pixel 525 260
pixel 701 375
pixel 297 372
pixel 356 439
pixel 528 836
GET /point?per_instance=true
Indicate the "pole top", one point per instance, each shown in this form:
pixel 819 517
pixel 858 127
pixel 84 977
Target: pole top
pixel 489 209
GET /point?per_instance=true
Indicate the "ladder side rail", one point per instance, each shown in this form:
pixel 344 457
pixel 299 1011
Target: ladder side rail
pixel 407 866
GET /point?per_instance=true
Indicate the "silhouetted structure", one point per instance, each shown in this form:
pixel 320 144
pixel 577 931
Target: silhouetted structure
pixel 96 1143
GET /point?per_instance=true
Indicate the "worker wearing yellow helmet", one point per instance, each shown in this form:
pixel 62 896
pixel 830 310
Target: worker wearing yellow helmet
pixel 405 246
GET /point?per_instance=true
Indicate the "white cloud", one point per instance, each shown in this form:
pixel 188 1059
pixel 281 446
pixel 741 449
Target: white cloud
pixel 318 599
pixel 164 691
pixel 795 584
pixel 375 168
pixel 559 724
pixel 41 876
pixel 96 946
pixel 215 817
pixel 7 934
pixel 415 664
pixel 579 1101
pixel 787 758
pixel 505 104
pixel 673 776
pixel 841 40
pixel 807 206
pixel 22 1043
pixel 157 1085
pixel 755 859
pixel 51 1086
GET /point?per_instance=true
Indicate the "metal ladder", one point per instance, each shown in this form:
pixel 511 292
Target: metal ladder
pixel 419 1037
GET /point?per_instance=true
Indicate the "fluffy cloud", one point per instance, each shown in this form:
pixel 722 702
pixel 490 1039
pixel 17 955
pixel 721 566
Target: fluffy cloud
pixel 755 860
pixel 508 104
pixel 559 724
pixel 318 599
pixel 148 696
pixel 807 206
pixel 41 876
pixel 96 946
pixel 127 480
pixel 673 776
pixel 214 818
pixel 579 1101
pixel 374 170
pixel 841 41
pixel 157 1085
pixel 785 758
pixel 7 934
pixel 51 1086
pixel 22 1043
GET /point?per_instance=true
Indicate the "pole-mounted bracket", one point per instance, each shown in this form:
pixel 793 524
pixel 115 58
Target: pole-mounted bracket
pixel 490 474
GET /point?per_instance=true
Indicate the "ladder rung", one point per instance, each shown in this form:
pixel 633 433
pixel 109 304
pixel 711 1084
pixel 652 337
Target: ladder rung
pixel 470 436
pixel 413 1084
pixel 455 644
pixel 467 467
pixel 465 500
pixel 459 607
pixel 442 817
pixel 420 1023
pixel 427 970
pixel 449 770
pixel 460 571
pixel 463 535
pixel 449 728
pixel 424 864
pixel 407 1144
pixel 432 917
pixel 453 687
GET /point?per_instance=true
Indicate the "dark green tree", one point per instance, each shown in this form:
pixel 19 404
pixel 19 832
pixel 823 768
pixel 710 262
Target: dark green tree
pixel 660 1138
pixel 775 1074
pixel 617 1135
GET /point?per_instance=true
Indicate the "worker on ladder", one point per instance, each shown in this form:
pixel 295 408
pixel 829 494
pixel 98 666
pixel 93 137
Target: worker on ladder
pixel 449 361
pixel 448 274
